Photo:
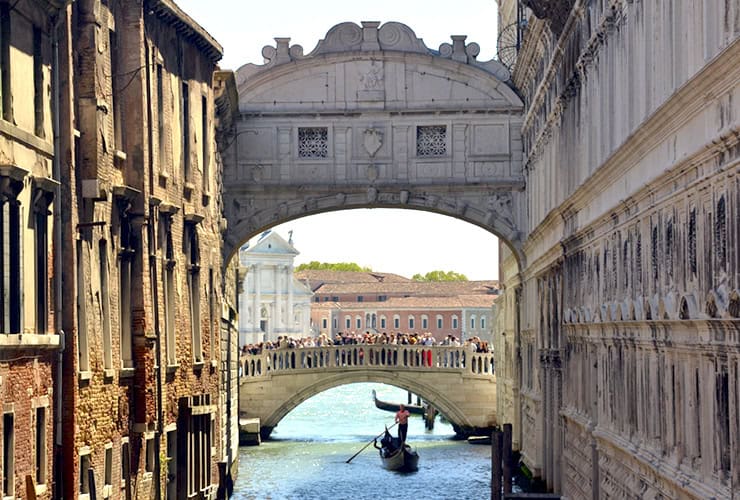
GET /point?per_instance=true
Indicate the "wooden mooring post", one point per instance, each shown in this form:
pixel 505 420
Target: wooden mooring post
pixel 507 458
pixel 497 445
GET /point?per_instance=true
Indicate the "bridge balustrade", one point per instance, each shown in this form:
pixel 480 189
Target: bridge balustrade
pixel 367 356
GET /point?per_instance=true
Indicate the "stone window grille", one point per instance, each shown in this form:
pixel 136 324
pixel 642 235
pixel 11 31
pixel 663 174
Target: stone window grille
pixel 692 243
pixel 313 142
pixel 654 255
pixel 720 233
pixel 669 248
pixel 431 140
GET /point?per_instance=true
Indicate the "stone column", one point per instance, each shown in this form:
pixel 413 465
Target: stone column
pixel 278 299
pixel 289 284
pixel 256 307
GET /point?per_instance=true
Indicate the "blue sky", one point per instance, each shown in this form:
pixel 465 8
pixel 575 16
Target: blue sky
pixel 404 242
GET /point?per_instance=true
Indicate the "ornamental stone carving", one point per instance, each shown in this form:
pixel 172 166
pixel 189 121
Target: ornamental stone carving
pixel 372 140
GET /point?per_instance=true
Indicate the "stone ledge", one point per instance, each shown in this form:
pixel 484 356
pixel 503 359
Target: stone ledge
pixel 29 341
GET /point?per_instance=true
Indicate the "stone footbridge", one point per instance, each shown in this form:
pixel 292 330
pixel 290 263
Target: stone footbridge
pixel 458 383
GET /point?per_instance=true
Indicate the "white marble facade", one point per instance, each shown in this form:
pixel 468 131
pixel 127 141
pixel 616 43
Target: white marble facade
pixel 272 302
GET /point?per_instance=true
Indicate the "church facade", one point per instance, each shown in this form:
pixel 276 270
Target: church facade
pixel 272 303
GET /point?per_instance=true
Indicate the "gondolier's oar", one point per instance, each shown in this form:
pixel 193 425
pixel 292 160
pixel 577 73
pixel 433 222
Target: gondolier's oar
pixel 368 444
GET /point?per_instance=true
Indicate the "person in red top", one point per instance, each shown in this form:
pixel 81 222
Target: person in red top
pixel 402 419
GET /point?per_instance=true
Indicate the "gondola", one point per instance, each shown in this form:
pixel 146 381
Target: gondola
pixel 383 405
pixel 397 457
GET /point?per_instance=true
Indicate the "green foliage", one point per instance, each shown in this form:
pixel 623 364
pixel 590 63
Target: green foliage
pixel 315 265
pixel 440 276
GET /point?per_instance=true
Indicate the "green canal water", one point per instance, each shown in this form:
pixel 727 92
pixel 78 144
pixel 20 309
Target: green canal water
pixel 307 453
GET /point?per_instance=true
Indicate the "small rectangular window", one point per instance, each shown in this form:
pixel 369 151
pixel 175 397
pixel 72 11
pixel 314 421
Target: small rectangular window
pixel 358 322
pixel 348 323
pixel 8 469
pixel 83 352
pixel 125 469
pixel 424 323
pixel 454 323
pixel 185 130
pixel 431 140
pixel 396 322
pixel 108 467
pixel 41 215
pixel 5 66
pixel 85 474
pixel 439 323
pixel 360 298
pixel 472 323
pixel 160 119
pixel 117 82
pixel 149 464
pixel 313 142
pixel 204 142
pixel 38 83
pixel 411 323
pixel 382 322
pixel 324 323
pixel 335 298
pixel 41 445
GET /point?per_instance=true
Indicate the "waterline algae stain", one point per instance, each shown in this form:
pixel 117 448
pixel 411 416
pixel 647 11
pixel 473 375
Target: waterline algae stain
pixel 306 457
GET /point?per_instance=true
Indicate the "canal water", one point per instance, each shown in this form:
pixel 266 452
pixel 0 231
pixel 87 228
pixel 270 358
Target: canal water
pixel 306 455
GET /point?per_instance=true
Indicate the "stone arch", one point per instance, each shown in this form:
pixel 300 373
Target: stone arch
pixel 402 380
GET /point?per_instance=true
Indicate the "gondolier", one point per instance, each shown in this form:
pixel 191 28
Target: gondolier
pixel 402 418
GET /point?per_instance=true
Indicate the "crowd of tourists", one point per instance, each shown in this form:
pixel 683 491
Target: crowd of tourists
pixel 473 344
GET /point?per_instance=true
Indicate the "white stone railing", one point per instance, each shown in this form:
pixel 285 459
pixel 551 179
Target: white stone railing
pixel 367 357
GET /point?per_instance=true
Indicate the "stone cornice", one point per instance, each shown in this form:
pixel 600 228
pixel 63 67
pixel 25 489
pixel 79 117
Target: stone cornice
pixel 683 105
pixel 686 103
pixel 171 14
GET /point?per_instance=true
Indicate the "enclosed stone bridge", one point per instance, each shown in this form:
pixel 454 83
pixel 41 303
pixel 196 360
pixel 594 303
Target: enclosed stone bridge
pixel 458 383
pixel 372 117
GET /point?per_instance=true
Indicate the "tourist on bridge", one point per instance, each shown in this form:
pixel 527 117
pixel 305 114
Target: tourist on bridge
pixel 402 419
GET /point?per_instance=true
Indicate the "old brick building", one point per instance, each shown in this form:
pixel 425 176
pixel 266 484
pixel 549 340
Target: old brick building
pixel 30 334
pixel 144 364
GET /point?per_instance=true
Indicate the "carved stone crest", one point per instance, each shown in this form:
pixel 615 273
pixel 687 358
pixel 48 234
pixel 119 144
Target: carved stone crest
pixel 373 139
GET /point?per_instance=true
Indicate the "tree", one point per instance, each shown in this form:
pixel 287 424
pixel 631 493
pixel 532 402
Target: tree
pixel 440 276
pixel 315 265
